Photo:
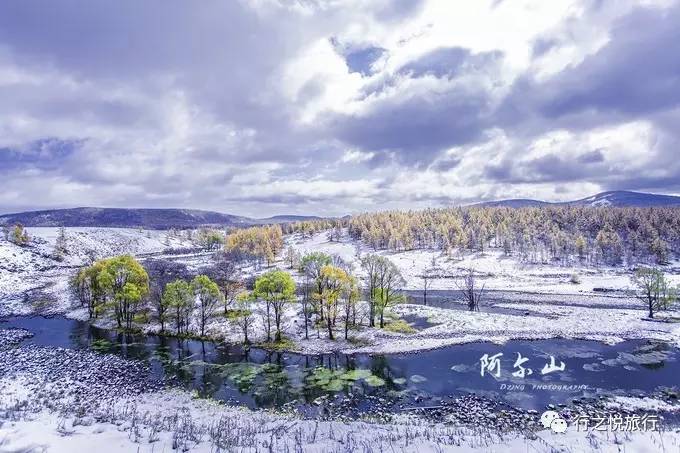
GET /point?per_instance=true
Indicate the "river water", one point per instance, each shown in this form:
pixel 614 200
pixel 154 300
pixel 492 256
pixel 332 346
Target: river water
pixel 259 378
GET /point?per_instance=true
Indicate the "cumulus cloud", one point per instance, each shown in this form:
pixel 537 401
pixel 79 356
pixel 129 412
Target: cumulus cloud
pixel 267 107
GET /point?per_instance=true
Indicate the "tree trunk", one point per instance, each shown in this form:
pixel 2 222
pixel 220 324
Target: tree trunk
pixel 277 320
pixel 304 315
pixel 346 325
pixel 330 328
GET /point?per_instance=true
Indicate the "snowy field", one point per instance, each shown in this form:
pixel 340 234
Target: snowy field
pixel 542 303
pixel 496 271
pixel 172 420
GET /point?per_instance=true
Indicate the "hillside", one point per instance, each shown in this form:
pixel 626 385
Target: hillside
pixel 617 198
pixel 124 218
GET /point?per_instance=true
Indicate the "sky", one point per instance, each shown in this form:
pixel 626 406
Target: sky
pixel 333 107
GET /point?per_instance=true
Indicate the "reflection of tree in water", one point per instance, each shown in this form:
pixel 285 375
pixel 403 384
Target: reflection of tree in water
pixel 172 354
pixel 381 368
pixel 82 334
pixel 270 378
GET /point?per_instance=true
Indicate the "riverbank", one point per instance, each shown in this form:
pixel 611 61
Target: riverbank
pixel 56 400
pixel 537 301
pixel 54 397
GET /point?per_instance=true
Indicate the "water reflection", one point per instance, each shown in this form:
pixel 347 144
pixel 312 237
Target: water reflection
pixel 259 378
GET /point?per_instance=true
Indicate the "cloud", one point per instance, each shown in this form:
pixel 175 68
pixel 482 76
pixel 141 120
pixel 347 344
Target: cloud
pixel 266 107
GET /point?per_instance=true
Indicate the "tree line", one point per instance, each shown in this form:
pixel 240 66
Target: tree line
pixel 592 235
pixel 166 292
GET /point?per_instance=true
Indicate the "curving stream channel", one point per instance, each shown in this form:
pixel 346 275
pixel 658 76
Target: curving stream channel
pixel 259 378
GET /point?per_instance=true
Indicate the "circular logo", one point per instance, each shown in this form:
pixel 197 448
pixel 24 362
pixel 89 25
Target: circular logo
pixel 552 420
pixel 548 417
pixel 559 425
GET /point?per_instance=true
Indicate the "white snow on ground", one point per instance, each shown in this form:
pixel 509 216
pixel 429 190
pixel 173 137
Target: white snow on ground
pixel 496 270
pixel 24 268
pixel 454 327
pixel 34 266
pixel 647 404
pixel 127 426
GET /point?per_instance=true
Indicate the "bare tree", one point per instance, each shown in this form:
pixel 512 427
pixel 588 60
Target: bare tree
pixel 428 275
pixel 370 266
pixel 468 286
pixel 161 272
pixel 224 272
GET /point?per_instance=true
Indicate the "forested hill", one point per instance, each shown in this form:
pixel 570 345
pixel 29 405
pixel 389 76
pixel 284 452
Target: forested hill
pixel 119 217
pixel 619 198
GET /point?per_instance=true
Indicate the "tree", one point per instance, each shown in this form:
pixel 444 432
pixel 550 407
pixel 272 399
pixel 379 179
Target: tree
pixel 261 243
pixel 388 284
pixel 60 245
pixel 244 313
pixel 311 265
pixel 19 235
pixel 161 272
pixel 225 274
pixel 370 265
pixel 428 275
pixel 350 295
pixel 179 301
pixel 87 289
pixel 208 298
pixel 610 245
pixel 125 284
pixel 467 285
pixel 210 239
pixel 291 257
pixel 659 249
pixel 306 299
pixel 581 247
pixel 276 288
pixel 333 281
pixel 653 289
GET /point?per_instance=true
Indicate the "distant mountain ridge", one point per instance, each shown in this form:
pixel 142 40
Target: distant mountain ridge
pixel 133 218
pixel 191 218
pixel 615 198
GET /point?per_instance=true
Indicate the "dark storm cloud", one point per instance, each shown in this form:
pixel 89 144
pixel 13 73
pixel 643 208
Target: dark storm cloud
pixel 446 164
pixel 414 128
pixel 46 154
pixel 418 128
pixel 161 46
pixel 163 102
pixel 551 167
pixel 542 46
pixel 398 10
pixel 635 74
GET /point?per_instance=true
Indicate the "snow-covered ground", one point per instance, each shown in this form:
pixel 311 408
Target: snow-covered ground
pixel 173 420
pixel 495 270
pixel 34 267
pixel 541 300
pixel 545 303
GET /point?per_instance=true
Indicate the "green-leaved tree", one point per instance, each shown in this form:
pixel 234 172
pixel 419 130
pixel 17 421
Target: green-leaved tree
pixel 276 288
